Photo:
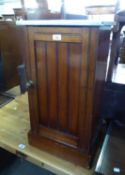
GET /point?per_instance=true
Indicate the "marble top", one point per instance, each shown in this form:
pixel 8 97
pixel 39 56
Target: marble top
pixel 64 23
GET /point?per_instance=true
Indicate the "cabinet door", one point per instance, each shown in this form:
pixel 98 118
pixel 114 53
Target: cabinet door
pixel 58 67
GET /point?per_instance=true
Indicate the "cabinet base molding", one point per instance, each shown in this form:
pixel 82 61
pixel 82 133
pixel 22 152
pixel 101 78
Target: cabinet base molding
pixel 62 151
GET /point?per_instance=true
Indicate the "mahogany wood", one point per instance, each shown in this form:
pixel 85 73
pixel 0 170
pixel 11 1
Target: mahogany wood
pixel 68 76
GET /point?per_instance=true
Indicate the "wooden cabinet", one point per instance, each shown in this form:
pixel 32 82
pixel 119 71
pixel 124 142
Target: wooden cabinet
pixel 10 56
pixel 68 68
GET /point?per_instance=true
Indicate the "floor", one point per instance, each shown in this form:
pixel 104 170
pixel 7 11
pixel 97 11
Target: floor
pixel 14 126
pixel 22 167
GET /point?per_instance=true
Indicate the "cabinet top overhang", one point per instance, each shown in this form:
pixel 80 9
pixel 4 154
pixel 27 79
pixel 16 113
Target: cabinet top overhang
pixel 65 23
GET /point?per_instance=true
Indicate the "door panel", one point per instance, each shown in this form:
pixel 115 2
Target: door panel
pixel 54 76
pixel 58 67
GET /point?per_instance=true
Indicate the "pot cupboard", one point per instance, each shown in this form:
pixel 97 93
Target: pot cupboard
pixel 67 64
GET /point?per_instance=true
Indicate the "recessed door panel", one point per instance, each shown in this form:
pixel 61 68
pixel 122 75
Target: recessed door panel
pixel 58 71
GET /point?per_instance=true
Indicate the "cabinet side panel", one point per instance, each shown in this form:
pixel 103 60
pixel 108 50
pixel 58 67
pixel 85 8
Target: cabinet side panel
pixel 92 57
pixel 83 86
pixel 100 78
